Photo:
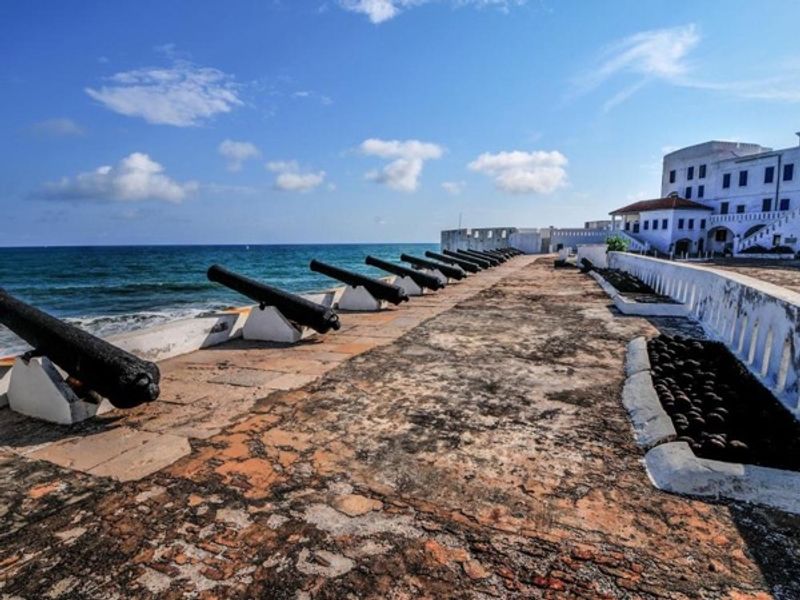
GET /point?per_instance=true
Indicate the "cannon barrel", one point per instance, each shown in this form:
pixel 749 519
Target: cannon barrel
pixel 423 280
pixel 379 289
pixel 504 252
pixel 467 266
pixel 493 254
pixel 485 263
pixel 295 308
pixel 126 380
pixel 492 260
pixel 421 263
pixel 480 264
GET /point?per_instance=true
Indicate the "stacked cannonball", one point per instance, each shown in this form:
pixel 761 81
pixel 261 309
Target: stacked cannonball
pixel 702 402
pixel 625 282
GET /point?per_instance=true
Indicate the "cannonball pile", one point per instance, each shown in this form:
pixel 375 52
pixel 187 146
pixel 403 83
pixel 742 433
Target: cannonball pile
pixel 625 282
pixel 717 407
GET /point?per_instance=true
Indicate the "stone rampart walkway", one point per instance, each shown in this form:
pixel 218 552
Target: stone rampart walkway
pixel 469 445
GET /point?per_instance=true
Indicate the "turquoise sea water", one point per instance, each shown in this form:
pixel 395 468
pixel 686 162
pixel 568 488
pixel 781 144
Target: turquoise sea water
pixel 111 289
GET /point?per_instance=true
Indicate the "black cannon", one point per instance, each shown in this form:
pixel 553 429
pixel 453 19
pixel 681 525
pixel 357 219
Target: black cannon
pixel 380 290
pixel 504 252
pixel 423 280
pixel 483 262
pixel 586 265
pixel 295 308
pixel 467 266
pixel 494 254
pixel 480 264
pixel 126 380
pixel 446 270
pixel 492 260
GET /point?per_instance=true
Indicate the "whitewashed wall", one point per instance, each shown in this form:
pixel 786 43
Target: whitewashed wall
pixel 759 322
pixel 596 253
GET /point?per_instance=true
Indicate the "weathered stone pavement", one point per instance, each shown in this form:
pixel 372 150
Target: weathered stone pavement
pixel 469 445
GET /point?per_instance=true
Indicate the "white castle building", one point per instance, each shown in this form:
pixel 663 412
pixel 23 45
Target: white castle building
pixel 719 197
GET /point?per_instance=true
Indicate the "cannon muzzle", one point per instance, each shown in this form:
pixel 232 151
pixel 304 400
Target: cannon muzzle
pixel 421 263
pixel 467 266
pixel 295 308
pixel 423 280
pixel 126 380
pixel 379 289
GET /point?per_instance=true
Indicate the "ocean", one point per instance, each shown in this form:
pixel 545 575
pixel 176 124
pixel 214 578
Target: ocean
pixel 108 290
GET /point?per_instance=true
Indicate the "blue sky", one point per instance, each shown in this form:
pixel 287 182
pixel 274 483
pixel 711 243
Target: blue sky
pixel 367 120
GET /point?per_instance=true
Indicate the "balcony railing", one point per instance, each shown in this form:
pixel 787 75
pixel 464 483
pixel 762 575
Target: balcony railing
pixel 746 217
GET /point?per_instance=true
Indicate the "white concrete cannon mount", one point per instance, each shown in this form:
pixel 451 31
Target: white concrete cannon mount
pixel 359 299
pixel 37 388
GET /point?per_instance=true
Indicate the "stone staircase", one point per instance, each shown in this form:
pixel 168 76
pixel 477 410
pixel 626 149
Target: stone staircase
pixel 635 244
pixel 787 224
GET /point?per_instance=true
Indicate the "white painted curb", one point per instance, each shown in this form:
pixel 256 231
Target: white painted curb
pixel 673 467
pixel 651 423
pixel 640 309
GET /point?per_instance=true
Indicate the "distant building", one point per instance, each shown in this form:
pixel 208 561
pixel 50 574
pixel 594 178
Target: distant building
pixel 604 224
pixel 719 197
pixel 529 240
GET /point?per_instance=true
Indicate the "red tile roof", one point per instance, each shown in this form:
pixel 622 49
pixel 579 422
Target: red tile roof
pixel 669 203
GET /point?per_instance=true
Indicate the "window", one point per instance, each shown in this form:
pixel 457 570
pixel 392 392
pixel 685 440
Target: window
pixel 690 173
pixel 742 178
pixel 702 172
pixel 691 224
pixel 769 174
pixel 646 225
pixel 702 223
pixel 688 193
pixel 784 204
pixel 726 180
pixel 701 191
pixel 627 225
pixel 672 176
pixel 788 172
pixel 680 223
pixel 739 208
pixel 766 204
pixel 655 224
pixel 664 223
pixel 723 208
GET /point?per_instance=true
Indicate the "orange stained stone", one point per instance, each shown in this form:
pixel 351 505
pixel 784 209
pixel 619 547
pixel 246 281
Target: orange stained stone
pixel 281 437
pixel 256 472
pixel 257 422
pixel 236 446
pixel 44 489
pixel 354 505
pixel 286 458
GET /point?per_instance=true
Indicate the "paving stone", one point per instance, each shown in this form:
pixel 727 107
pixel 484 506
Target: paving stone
pixel 158 452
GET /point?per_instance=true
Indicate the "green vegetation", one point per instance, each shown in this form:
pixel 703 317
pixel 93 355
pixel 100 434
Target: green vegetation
pixel 617 243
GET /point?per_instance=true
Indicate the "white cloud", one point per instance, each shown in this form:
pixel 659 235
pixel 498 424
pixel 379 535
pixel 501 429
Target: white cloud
pixel 58 127
pixel 518 172
pixel 410 156
pixel 659 54
pixel 237 153
pixel 182 94
pixel 454 188
pixel 663 55
pixel 136 177
pixel 379 11
pixel 291 179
